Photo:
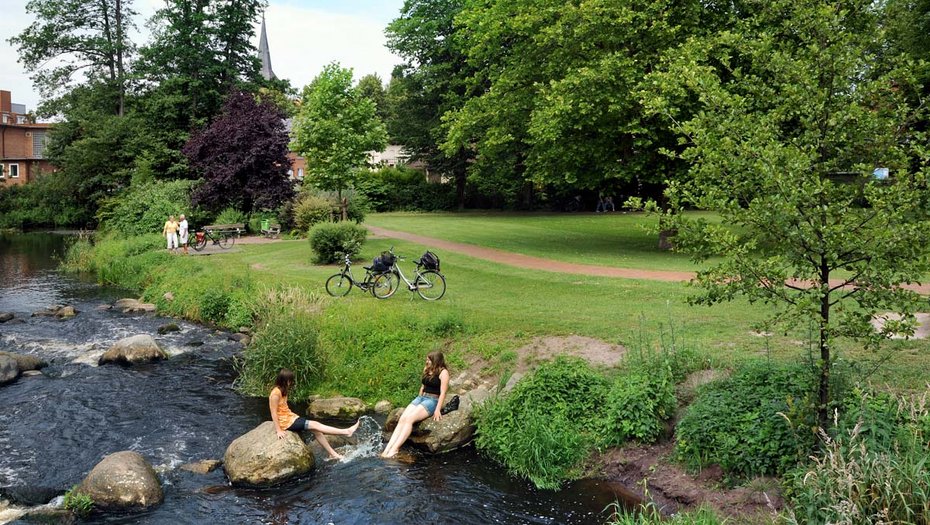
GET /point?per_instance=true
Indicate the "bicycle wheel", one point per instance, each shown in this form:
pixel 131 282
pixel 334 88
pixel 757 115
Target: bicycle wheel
pixel 226 241
pixel 385 285
pixel 339 285
pixel 199 244
pixel 431 285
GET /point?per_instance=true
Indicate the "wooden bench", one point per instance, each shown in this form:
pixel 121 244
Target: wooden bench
pixel 272 231
pixel 227 229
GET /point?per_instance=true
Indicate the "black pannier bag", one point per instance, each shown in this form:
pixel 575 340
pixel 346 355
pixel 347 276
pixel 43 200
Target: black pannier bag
pixel 383 262
pixel 430 261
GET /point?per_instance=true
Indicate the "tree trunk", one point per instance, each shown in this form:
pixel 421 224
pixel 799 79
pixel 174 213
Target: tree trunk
pixel 461 176
pixel 823 416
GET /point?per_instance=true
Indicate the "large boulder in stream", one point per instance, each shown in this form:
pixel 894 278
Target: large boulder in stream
pixel 455 430
pixel 122 481
pixel 9 370
pixel 26 362
pixel 6 316
pixel 133 305
pixel 131 350
pixel 337 408
pixel 259 458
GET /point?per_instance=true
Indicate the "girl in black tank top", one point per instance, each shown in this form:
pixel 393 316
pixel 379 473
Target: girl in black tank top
pixel 435 383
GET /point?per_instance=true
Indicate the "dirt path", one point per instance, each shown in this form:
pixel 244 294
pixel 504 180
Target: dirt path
pixel 549 265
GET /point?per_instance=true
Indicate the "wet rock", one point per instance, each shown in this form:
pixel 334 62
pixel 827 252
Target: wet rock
pixel 170 327
pixel 105 307
pixel 49 515
pixel 9 370
pixel 337 408
pixel 6 316
pixel 205 466
pixel 238 337
pixel 259 458
pixel 168 297
pixel 245 330
pixel 383 407
pixel 30 495
pixel 123 480
pixel 26 362
pixel 31 373
pixel 133 350
pixel 456 428
pixel 16 320
pixel 66 312
pixel 194 343
pixel 133 305
pixel 391 422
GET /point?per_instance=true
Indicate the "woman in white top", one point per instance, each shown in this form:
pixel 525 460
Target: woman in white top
pixel 182 233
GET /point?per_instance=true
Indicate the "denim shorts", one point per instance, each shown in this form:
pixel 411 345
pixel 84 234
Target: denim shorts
pixel 427 402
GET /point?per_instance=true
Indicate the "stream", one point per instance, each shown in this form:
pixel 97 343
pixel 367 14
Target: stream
pixel 56 426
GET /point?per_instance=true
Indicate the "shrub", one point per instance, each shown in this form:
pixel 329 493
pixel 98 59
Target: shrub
pixel 330 240
pixel 231 216
pixel 857 478
pixel 757 422
pixel 638 404
pixel 547 424
pixel 49 200
pixel 144 208
pixel 312 210
pixel 405 189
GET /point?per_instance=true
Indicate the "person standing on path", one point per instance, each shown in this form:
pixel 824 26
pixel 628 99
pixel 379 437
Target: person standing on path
pixel 285 420
pixel 170 231
pixel 182 233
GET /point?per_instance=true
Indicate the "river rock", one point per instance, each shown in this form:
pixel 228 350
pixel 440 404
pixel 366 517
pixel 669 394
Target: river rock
pixel 133 305
pixel 66 312
pixel 170 327
pixel 6 316
pixel 259 458
pixel 337 408
pixel 455 430
pixel 26 362
pixel 9 370
pixel 383 407
pixel 60 311
pixel 205 466
pixel 131 350
pixel 123 480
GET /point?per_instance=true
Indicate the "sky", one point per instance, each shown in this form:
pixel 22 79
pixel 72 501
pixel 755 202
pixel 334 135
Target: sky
pixel 303 35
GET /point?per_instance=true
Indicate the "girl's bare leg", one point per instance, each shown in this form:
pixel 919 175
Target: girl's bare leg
pixel 321 439
pixel 316 426
pixel 404 429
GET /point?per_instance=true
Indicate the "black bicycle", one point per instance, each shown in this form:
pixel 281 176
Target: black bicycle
pixel 223 239
pixel 341 284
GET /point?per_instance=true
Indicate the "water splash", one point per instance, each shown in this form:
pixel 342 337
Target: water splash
pixel 369 444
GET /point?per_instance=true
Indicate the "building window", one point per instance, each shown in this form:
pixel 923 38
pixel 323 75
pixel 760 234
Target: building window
pixel 14 170
pixel 38 144
pixel 300 173
pixel 20 119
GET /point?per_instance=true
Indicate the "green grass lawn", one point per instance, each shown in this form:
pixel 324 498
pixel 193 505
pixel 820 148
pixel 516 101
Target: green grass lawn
pixel 609 239
pixel 499 307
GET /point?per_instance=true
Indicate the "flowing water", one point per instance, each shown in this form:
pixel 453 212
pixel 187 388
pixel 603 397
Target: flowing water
pixel 56 426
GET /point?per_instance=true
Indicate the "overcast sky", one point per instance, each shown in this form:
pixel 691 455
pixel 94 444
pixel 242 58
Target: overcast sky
pixel 304 35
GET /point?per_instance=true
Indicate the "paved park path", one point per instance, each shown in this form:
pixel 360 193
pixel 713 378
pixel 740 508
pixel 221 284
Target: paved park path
pixel 549 265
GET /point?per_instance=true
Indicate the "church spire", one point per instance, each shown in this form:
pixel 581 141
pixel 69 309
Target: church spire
pixel 265 54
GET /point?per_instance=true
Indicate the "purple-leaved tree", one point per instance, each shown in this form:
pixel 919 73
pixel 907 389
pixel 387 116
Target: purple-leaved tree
pixel 242 157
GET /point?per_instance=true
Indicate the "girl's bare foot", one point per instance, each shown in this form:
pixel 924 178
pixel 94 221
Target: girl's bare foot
pixel 351 430
pixel 388 455
pixel 336 457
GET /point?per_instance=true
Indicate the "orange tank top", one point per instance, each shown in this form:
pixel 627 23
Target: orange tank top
pixel 286 418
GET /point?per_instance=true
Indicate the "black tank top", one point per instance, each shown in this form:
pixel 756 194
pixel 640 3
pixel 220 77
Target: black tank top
pixel 431 385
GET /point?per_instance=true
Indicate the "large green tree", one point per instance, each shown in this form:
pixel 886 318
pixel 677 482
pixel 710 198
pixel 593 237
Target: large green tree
pixel 432 82
pixel 335 129
pixel 795 116
pixel 72 37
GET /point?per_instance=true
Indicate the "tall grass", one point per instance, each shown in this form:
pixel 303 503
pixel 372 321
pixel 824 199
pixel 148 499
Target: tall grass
pixel 649 514
pixel 859 479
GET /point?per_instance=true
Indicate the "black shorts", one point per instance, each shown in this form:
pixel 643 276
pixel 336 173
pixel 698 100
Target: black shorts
pixel 298 425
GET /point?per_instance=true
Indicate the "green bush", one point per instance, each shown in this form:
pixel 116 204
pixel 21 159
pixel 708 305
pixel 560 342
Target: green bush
pixel 867 474
pixel 231 216
pixel 544 427
pixel 311 210
pixel 757 422
pixel 144 208
pixel 638 404
pixel 330 240
pixel 405 189
pixel 282 341
pixel 49 200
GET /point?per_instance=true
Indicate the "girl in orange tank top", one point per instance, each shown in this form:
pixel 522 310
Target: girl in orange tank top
pixel 286 420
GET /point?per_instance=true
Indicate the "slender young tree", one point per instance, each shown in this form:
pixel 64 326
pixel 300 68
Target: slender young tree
pixel 335 130
pixel 795 117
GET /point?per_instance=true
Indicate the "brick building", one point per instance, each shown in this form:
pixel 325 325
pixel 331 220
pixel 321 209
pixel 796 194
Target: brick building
pixel 22 144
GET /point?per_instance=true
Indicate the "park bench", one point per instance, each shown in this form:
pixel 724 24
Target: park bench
pixel 226 229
